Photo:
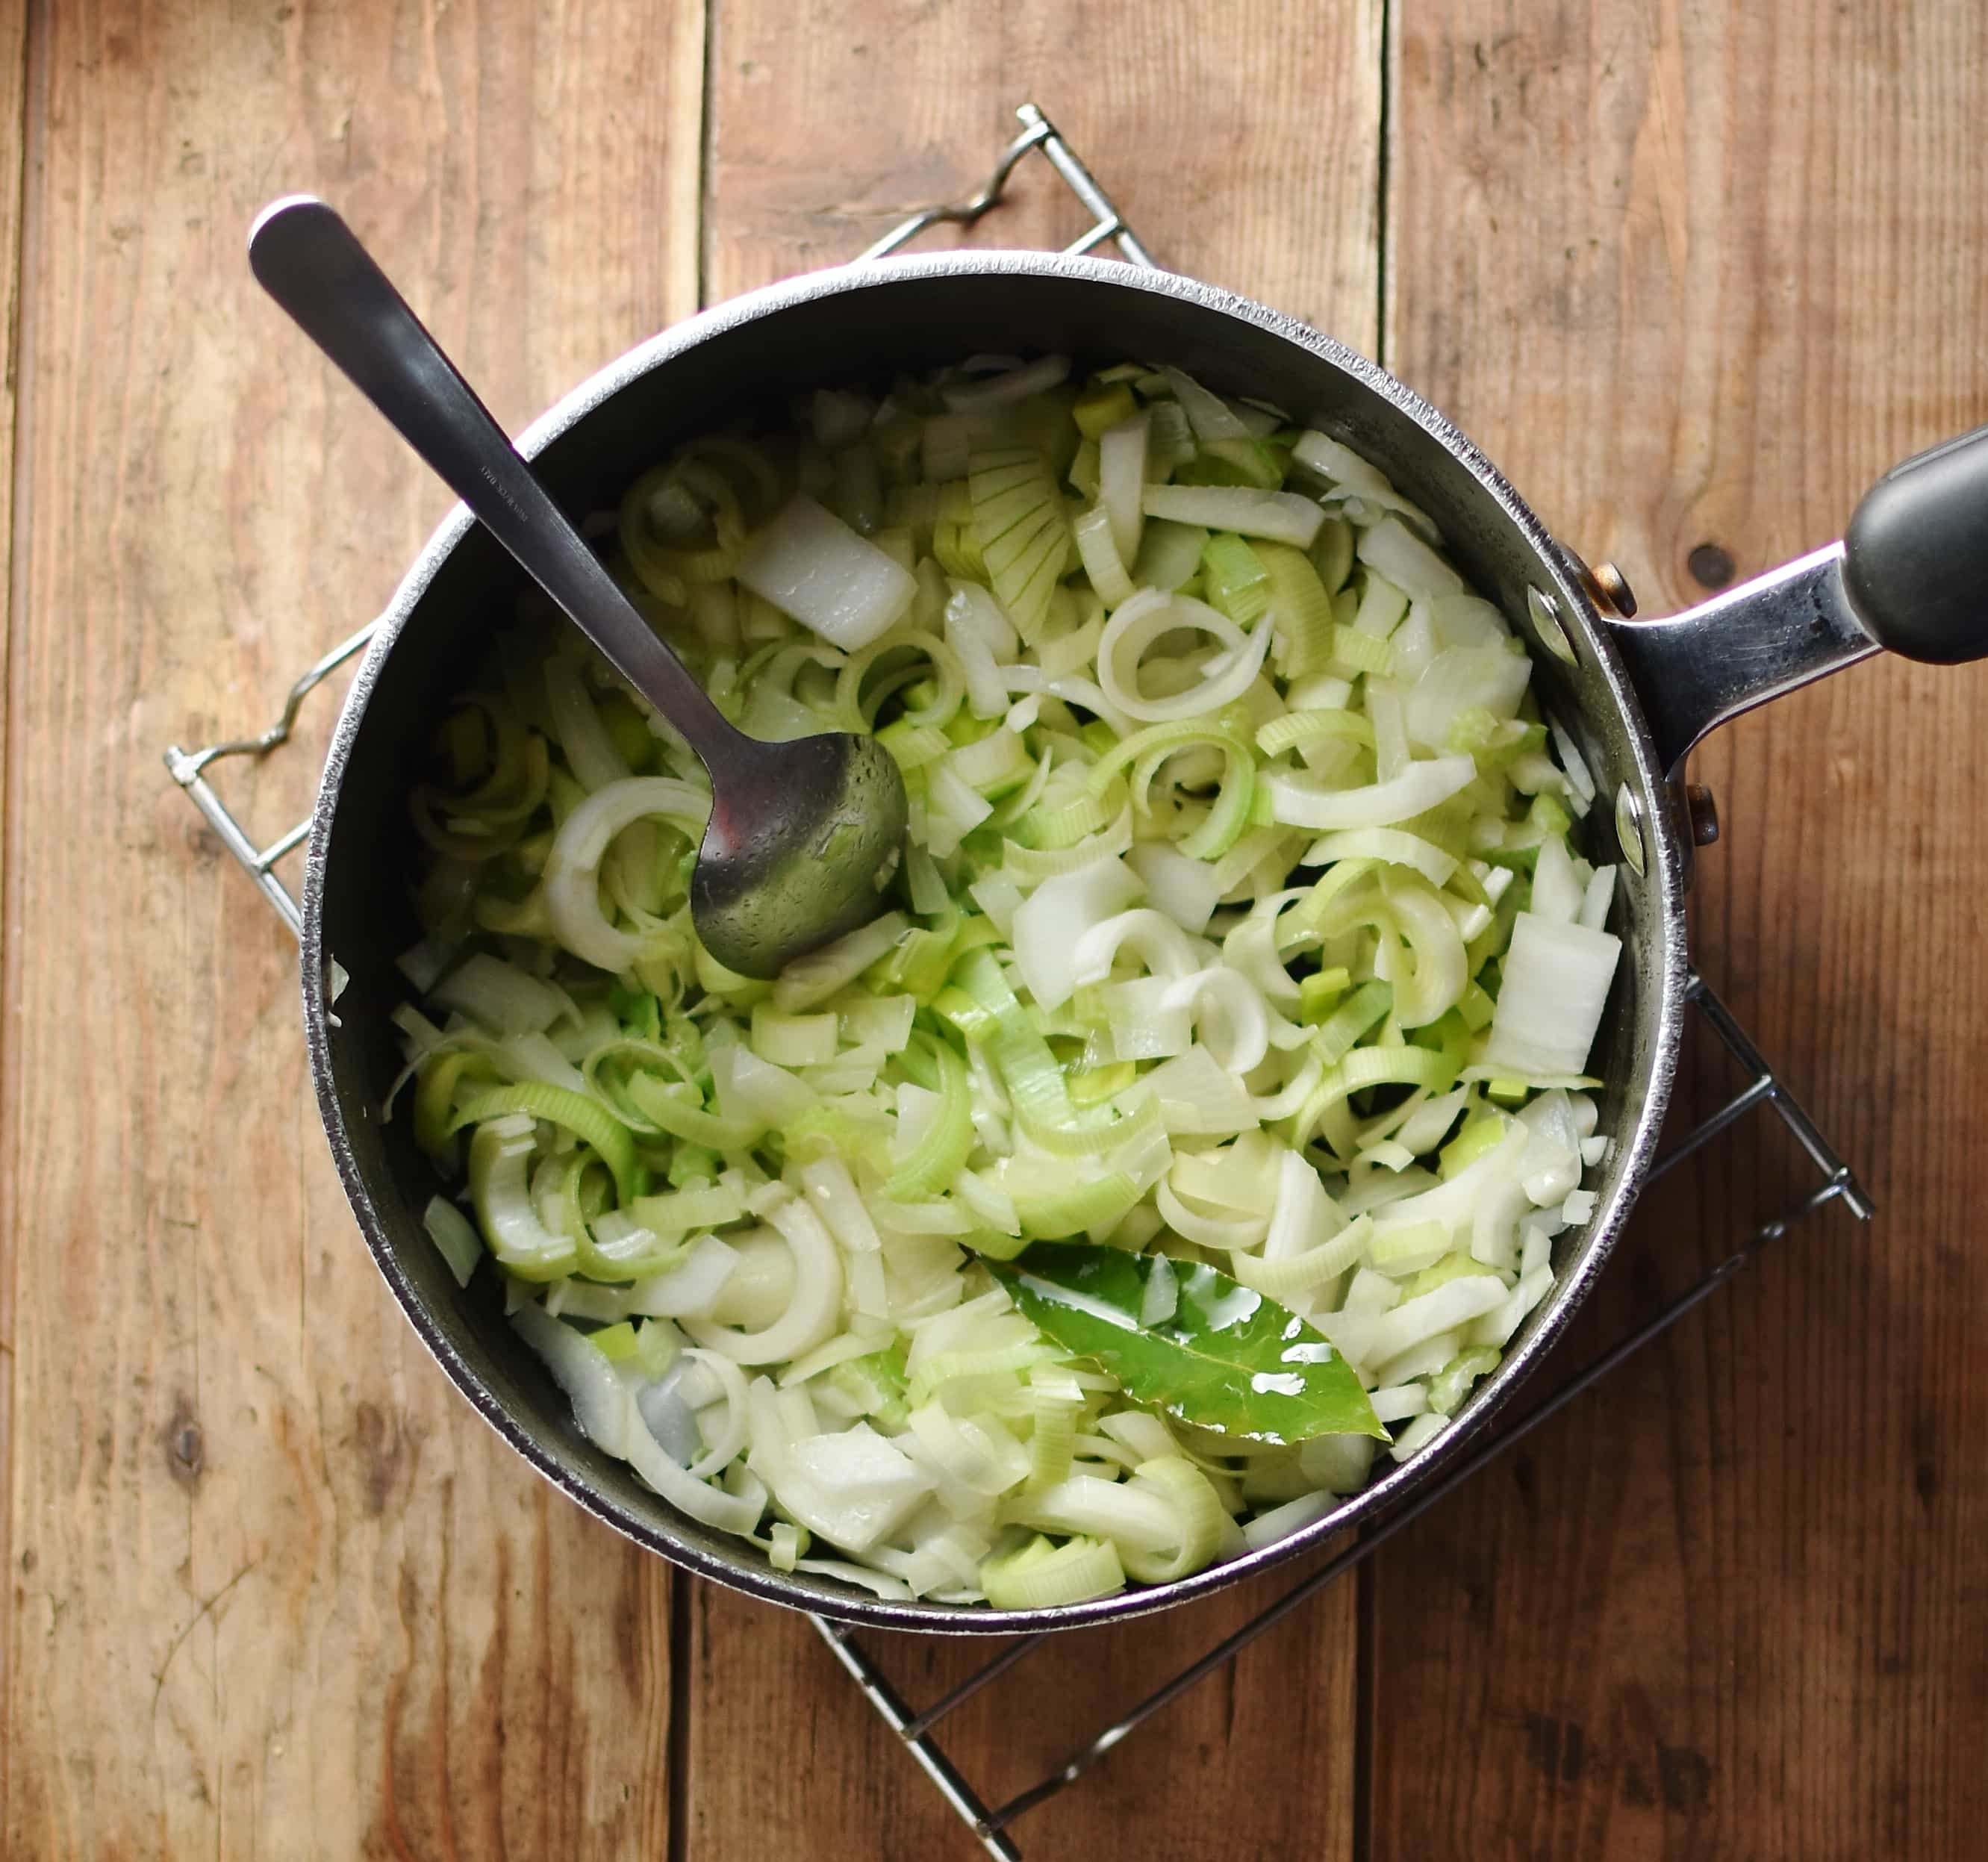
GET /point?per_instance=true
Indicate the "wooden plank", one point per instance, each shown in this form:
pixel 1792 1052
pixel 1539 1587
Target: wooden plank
pixel 13 141
pixel 1260 1756
pixel 1253 163
pixel 272 1589
pixel 1694 277
pixel 826 128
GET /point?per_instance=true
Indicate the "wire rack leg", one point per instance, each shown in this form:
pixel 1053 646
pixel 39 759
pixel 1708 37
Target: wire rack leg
pixel 890 1708
pixel 189 768
pixel 1037 132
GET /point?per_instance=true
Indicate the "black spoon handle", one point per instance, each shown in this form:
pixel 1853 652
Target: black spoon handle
pixel 309 260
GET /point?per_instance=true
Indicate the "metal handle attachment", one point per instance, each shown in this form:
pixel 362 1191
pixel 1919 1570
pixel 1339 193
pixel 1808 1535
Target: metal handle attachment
pixel 1912 576
pixel 1696 669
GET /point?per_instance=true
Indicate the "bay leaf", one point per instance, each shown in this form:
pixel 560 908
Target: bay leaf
pixel 1190 1341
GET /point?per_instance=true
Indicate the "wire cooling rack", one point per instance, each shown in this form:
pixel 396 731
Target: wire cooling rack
pixel 991 1823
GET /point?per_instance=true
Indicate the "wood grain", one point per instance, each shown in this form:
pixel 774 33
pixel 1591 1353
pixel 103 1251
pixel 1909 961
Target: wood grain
pixel 1253 163
pixel 826 128
pixel 272 1589
pixel 13 140
pixel 1258 1760
pixel 1694 276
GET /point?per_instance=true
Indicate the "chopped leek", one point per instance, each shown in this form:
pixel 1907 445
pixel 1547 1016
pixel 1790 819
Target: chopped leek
pixel 1202 1114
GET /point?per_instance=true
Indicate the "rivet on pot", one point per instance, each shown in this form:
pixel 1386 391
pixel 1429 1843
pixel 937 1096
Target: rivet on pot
pixel 1704 813
pixel 1545 613
pixel 1629 829
pixel 1615 589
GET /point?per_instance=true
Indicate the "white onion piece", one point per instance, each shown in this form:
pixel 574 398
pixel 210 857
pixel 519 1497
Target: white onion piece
pixel 1557 891
pixel 1454 1303
pixel 1417 1435
pixel 1286 1101
pixel 604 1406
pixel 1579 779
pixel 986 692
pixel 1208 413
pixel 1395 550
pixel 1600 896
pixel 972 609
pixel 976 1453
pixel 838 417
pixel 422 963
pixel 1196 1096
pixel 1337 1464
pixel 832 1194
pixel 690 1288
pixel 1014 383
pixel 506 999
pixel 454 1236
pixel 1132 630
pixel 815 978
pixel 1183 887
pixel 1052 924
pixel 1304 1218
pixel 1159 943
pixel 1441 967
pixel 1328 459
pixel 1387 712
pixel 1390 844
pixel 1369 507
pixel 721 1451
pixel 754 1091
pixel 825 1356
pixel 760 1285
pixel 1121 482
pixel 1134 1517
pixel 1140 1026
pixel 1278 517
pixel 1238 1032
pixel 878 1583
pixel 1298 803
pixel 1556 985
pixel 812 1311
pixel 1497 1326
pixel 855 1488
pixel 1428 1124
pixel 535 1057
pixel 589 751
pixel 666 1414
pixel 810 564
pixel 1381 608
pixel 1207 1231
pixel 1277 1523
pixel 1413 642
pixel 572 867
pixel 1458 679
pixel 1252 948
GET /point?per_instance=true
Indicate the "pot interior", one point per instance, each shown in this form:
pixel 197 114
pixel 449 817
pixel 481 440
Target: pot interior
pixel 865 324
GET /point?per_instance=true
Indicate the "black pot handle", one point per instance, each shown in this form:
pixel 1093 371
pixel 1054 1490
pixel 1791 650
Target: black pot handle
pixel 1916 556
pixel 1912 575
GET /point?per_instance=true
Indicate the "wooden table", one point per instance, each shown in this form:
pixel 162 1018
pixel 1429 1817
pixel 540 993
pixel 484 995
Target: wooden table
pixel 1693 273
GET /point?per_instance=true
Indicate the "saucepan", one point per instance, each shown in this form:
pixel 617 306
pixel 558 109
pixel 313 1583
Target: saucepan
pixel 1634 694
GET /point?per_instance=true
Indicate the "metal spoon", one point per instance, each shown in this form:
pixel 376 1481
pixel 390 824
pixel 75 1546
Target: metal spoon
pixel 804 836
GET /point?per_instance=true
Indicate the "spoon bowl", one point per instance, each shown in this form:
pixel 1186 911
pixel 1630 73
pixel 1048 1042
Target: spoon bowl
pixel 808 858
pixel 805 836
